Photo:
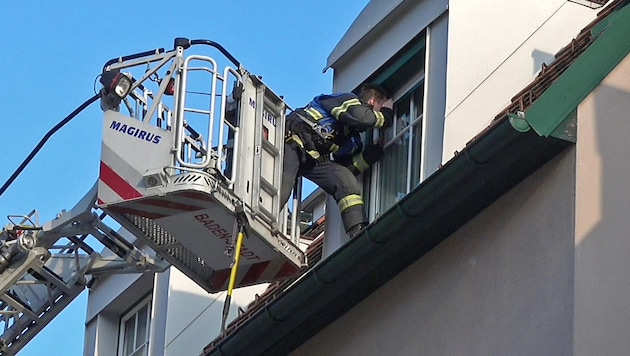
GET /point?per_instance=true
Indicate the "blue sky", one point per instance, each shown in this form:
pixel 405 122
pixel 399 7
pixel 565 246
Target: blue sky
pixel 52 52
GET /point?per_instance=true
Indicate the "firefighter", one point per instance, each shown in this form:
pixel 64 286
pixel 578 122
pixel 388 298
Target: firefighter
pixel 357 159
pixel 331 124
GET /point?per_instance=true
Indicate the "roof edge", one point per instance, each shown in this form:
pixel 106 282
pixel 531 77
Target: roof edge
pixel 370 18
pixel 611 44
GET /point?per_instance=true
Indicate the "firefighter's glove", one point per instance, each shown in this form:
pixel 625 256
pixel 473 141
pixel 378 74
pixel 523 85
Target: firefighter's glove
pixel 361 161
pixel 373 153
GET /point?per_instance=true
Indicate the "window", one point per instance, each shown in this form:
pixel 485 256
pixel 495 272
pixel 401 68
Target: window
pixel 403 143
pixel 134 330
pixel 399 170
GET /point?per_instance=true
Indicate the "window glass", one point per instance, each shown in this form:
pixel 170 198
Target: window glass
pixel 143 318
pixel 130 328
pixel 389 132
pixel 402 111
pixel 393 180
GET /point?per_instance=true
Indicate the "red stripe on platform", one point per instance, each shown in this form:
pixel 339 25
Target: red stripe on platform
pixel 288 269
pixel 163 203
pixel 117 183
pixel 219 278
pixel 253 273
pixel 123 210
pixel 198 196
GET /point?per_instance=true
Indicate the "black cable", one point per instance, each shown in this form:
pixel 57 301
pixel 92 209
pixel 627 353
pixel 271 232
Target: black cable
pixel 132 56
pixel 44 139
pixel 219 47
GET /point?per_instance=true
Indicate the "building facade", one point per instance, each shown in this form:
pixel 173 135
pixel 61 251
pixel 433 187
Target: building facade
pixel 540 270
pixel 498 209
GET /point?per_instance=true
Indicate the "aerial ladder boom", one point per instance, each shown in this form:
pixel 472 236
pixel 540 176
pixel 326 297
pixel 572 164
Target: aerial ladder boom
pixel 190 175
pixel 45 267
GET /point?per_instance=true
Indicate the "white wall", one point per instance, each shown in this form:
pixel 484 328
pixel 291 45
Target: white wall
pixel 105 325
pixel 495 48
pixel 434 98
pixel 194 316
pixel 186 318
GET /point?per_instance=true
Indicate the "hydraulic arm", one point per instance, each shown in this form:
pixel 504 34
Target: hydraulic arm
pixel 44 267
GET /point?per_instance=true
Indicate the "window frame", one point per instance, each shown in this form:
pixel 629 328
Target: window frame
pixel 122 332
pixel 373 180
pixel 416 120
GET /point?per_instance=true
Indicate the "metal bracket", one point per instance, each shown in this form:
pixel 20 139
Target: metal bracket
pixel 115 265
pixel 518 121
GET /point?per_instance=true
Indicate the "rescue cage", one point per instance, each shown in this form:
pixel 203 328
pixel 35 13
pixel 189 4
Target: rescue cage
pixel 176 169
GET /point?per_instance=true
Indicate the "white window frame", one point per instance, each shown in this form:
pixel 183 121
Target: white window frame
pixel 416 119
pixel 431 77
pixel 122 332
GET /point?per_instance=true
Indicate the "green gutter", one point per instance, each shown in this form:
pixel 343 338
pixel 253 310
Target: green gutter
pixel 492 164
pixel 600 58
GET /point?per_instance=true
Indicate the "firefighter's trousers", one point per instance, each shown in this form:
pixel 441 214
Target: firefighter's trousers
pixel 332 177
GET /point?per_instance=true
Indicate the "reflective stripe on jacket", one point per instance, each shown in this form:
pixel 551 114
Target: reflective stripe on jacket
pixel 339 118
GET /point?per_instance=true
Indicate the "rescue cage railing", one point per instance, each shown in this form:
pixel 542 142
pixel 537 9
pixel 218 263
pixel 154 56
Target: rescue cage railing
pixel 217 152
pixel 190 149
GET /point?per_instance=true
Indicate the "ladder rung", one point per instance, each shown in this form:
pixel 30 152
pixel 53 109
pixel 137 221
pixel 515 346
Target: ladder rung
pixel 268 187
pixel 52 278
pixel 19 306
pixel 198 111
pixel 271 149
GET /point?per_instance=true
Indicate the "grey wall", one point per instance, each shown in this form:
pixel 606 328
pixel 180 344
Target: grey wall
pixel 501 285
pixel 602 262
pixel 102 335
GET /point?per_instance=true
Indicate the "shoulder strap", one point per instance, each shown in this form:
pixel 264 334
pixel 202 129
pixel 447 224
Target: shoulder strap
pixel 324 131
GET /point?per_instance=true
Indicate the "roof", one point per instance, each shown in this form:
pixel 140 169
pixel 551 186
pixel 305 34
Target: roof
pixel 369 18
pixel 533 129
